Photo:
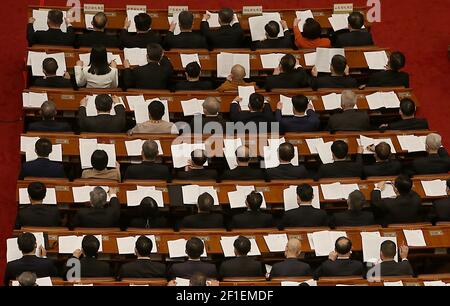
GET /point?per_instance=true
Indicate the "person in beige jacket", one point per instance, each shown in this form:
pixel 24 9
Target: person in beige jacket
pixel 99 161
pixel 156 125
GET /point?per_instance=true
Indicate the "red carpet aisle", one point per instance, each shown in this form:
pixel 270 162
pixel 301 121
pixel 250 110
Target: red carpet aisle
pixel 421 31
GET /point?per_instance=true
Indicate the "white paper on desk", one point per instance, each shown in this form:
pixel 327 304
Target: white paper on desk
pixel 412 143
pixel 339 21
pixel 81 194
pixel 88 146
pixel 332 101
pixel 288 108
pixel 268 268
pixel 435 188
pixel 237 198
pixel 376 60
pixel 271 159
pixel 388 191
pixel 247 190
pixel 213 20
pixel 192 107
pixel 55 155
pixel 28 143
pixel 50 197
pixel 230 147
pixel 226 61
pixel 189 58
pixel 41 282
pixel 136 56
pixel 244 92
pixel 130 15
pixel 437 283
pixel 325 154
pixel 226 243
pixel 367 141
pixel 88 21
pixel 393 284
pixel 258 23
pixel 276 242
pixel 271 60
pixel 324 57
pixel 34 99
pixel 134 147
pixel 346 189
pixel 135 197
pixel 310 58
pixel 192 192
pixel 182 282
pixel 141 114
pixel 86 58
pixel 135 100
pixel 313 143
pixel 177 248
pixel 36 59
pixel 68 244
pixel 12 248
pixel 371 244
pixel 91 109
pixel 41 17
pixel 324 241
pixel 174 18
pixel 181 153
pixel 126 245
pixel 331 191
pixel 414 238
pixel 302 16
pixel 378 100
pixel 290 198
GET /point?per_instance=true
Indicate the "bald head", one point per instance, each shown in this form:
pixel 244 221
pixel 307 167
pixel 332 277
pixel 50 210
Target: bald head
pixel 243 155
pixel 48 110
pixel 348 99
pixel 238 72
pixel 149 150
pixel 27 279
pixel 433 142
pixel 99 21
pixel 293 248
pixel 211 106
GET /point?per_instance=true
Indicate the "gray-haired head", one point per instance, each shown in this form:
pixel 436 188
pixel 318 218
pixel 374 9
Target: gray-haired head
pixel 433 142
pixel 98 197
pixel 348 99
pixel 48 110
pixel 27 279
pixel 149 150
pixel 356 200
pixel 211 106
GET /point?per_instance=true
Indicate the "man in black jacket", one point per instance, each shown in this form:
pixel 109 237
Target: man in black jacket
pixel 354 216
pixel 155 75
pixel 305 119
pixel 144 34
pixel 342 167
pixel 205 217
pixel 227 36
pixel 242 265
pixel 392 77
pixel 384 165
pixel 211 122
pixel 259 114
pixel 193 71
pixel 287 75
pixel 253 217
pixel 48 123
pixel 143 266
pixel 291 266
pixel 98 37
pixel 243 171
pixel 54 35
pixel 272 40
pixel 441 208
pixel 196 170
pixel 409 121
pixel 339 77
pixel 287 171
pixel 186 39
pixel 357 36
pixel 437 161
pixel 29 262
pixel 388 266
pixel 50 67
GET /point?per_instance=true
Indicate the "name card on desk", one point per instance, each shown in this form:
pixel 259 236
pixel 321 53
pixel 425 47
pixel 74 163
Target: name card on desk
pixel 175 10
pixel 94 8
pixel 252 10
pixel 341 8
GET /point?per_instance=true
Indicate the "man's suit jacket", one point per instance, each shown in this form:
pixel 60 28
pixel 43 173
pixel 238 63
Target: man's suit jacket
pixel 284 42
pixel 287 172
pixel 304 216
pixel 349 120
pixel 203 220
pixel 185 40
pixel 402 209
pixel 291 267
pixel 197 174
pixel 151 76
pixel 266 116
pixel 354 39
pixel 197 85
pixel 98 217
pixel 251 219
pixel 296 79
pixel 54 37
pixel 147 171
pixel 243 173
pixel 383 168
pixel 308 123
pixel 139 40
pixel 92 267
pixel 226 36
pixel 432 164
pixel 203 120
pixel 388 78
pixel 408 124
pixel 95 38
pixel 38 215
pixel 441 210
pixel 328 81
pixel 339 267
pixel 104 123
pixel 42 267
pixel 50 126
pixel 242 266
pixel 340 169
pixel 42 167
pixel 53 82
pixel 392 268
pixel 188 268
pixel 142 268
pixel 158 222
pixel 353 218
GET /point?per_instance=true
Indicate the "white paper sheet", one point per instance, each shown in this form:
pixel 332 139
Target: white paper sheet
pixel 135 197
pixel 34 99
pixel 276 242
pixel 367 141
pixel 393 284
pixel 324 241
pixel 126 245
pixel 213 19
pixel 226 61
pixel 130 15
pixel 177 27
pixel 437 283
pixel 388 191
pixel 182 282
pixel 12 248
pixel 324 57
pixel 435 188
pixel 141 111
pixel 50 197
pixel 82 194
pixel 177 248
pixel 313 143
pixel 371 244
pixel 192 107
pixel 258 23
pixel 303 15
pixel 228 249
pixel 414 238
pixel 332 101
pixel 245 92
pixel 288 108
pixel 55 155
pixel 376 60
pixel 339 21
pixel 310 58
pixel 134 147
pixel 412 143
pixel 325 154
pixel 378 100
pixel 230 147
pixel 88 21
pixel 86 58
pixel 189 58
pixel 271 60
pixel 136 56
pixel 40 23
pixel 192 192
pixel 36 59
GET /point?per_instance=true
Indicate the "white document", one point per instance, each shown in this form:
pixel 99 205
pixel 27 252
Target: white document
pixel 36 59
pixel 435 188
pixel 332 101
pixel 134 147
pixel 412 143
pixel 226 61
pixel 192 192
pixel 141 111
pixel 177 248
pixel 177 27
pixel 258 23
pixel 213 19
pixel 290 198
pixel 189 58
pixel 86 58
pixel 88 21
pixel 288 108
pixel 192 107
pixel 41 282
pixel 310 58
pixel 245 92
pixel 12 248
pixel 135 100
pixel 414 238
pixel 182 282
pixel 324 57
pixel 228 248
pixel 91 109
pixel 367 141
pixel 230 147
pixel 276 242
pixel 339 21
pixel 136 56
pixel 437 283
pixel 325 154
pixel 313 143
pixel 135 197
pixel 41 17
pixel 126 245
pixel 379 100
pixel 388 191
pixel 271 159
pixel 34 99
pixel 324 241
pixel 336 191
pixel 130 15
pixel 82 194
pixel 271 60
pixel 50 197
pixel 181 153
pixel 371 244
pixel 302 16
pixel 376 60
pixel 68 244
pixel 237 198
pixel 88 146
pixel 393 284
pixel 55 155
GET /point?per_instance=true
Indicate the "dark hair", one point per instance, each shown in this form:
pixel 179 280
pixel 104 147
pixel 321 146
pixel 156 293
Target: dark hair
pixel 193 70
pixel 90 245
pixel 286 152
pixel 356 200
pixel 256 101
pixel 100 20
pixel 226 15
pixel 103 103
pixel 50 66
pixel 198 280
pixel 339 149
pixel 383 150
pixel 156 110
pixel 305 192
pixel 144 246
pixel 254 201
pixel 37 191
pixel 26 242
pixel 148 209
pixel 288 62
pixel 154 52
pixel 198 157
pixel 48 110
pixel 43 147
pixel 99 160
pixel 300 103
pixel 272 29
pixel 397 61
pixel 185 19
pixel 194 248
pixel 242 245
pixel 143 22
pixel 99 61
pixel 388 249
pixel 205 202
pixel 343 245
pixel 339 63
pixel 408 107
pixel 448 183
pixel 56 17
pixel 311 29
pixel 356 20
pixel 403 184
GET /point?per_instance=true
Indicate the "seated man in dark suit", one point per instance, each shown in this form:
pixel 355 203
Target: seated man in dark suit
pixel 441 208
pixel 287 75
pixel 144 34
pixel 143 266
pixel 99 214
pixel 339 77
pixel 196 168
pixel 54 35
pixel 350 119
pixel 272 40
pixel 305 215
pixel 253 217
pixel 339 262
pixel 29 262
pixel 384 165
pixel 392 77
pixel 147 215
pixel 357 36
pixel 242 265
pixel 37 214
pixel 291 266
pixel 98 37
pixel 205 217
pixel 405 208
pixel 259 116
pixel 354 216
pixel 104 122
pixel 50 67
pixel 43 166
pixel 193 71
pixel 388 266
pixel 186 39
pixel 243 171
pixel 409 121
pixel 287 171
pixel 90 265
pixel 437 161
pixel 305 118
pixel 194 250
pixel 229 35
pixel 155 75
pixel 148 169
pixel 342 166
pixel 48 122
pixel 211 121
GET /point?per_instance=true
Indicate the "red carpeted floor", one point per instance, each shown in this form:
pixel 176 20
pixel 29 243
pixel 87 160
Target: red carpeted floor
pixel 418 28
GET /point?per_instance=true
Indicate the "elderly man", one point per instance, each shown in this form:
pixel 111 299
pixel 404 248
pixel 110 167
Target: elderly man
pixel 27 279
pixel 243 171
pixel 291 266
pixel 235 79
pixel 437 161
pixel 98 37
pixel 354 216
pixel 350 119
pixel 99 214
pixel 211 119
pixel 48 122
pixel 196 169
